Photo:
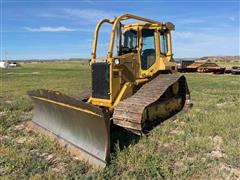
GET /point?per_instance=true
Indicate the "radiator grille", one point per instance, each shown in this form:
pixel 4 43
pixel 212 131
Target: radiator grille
pixel 100 80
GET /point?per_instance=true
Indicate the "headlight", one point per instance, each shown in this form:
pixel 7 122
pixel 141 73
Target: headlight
pixel 117 61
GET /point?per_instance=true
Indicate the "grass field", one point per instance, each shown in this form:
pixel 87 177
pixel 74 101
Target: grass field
pixel 228 65
pixel 203 143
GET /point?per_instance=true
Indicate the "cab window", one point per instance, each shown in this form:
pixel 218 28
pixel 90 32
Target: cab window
pixel 148 51
pixel 130 39
pixel 129 42
pixel 163 43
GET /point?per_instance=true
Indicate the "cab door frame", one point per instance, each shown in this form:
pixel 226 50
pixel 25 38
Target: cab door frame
pixel 155 66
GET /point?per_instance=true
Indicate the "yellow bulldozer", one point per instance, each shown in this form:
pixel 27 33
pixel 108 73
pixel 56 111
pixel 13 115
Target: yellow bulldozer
pixel 135 88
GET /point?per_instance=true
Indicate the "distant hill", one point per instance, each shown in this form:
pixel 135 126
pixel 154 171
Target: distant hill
pixel 47 60
pixel 219 58
pixel 205 58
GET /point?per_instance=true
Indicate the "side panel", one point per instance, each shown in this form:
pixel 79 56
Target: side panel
pixel 100 80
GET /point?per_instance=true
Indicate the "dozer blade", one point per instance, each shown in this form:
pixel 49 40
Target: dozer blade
pixel 75 122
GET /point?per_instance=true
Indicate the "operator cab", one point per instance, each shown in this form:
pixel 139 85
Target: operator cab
pixel 148 41
pixel 136 52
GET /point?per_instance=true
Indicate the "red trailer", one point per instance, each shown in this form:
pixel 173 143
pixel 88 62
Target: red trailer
pixel 214 70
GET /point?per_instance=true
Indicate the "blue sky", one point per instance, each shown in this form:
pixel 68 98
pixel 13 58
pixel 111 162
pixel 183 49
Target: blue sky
pixel 63 29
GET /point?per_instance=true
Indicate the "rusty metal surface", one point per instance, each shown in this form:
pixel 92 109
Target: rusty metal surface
pixel 69 147
pixel 129 112
pixel 78 123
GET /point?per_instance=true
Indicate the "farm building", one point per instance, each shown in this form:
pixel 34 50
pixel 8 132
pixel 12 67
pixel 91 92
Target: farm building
pixel 14 64
pixel 4 64
pixel 200 66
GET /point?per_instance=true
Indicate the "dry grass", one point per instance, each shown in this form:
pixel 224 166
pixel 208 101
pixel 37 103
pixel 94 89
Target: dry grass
pixel 202 143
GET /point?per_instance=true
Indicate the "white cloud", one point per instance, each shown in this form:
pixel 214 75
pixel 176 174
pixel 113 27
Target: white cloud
pixel 183 34
pixel 83 17
pixel 232 18
pixel 50 29
pixel 197 44
pixel 88 14
pixel 89 2
pixel 51 15
pixel 192 21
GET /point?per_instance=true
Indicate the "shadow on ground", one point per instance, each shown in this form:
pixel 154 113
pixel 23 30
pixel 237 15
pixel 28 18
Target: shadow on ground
pixel 122 137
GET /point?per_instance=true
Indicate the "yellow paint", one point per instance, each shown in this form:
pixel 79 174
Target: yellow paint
pixel 140 81
pixel 126 86
pixel 159 109
pixel 99 102
pixel 67 105
pixel 129 70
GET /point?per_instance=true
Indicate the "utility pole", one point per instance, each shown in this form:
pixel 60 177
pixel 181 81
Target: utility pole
pixel 6 55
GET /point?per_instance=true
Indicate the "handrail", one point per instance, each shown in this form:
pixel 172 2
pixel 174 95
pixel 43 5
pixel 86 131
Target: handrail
pixel 95 39
pixel 125 17
pixel 115 22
